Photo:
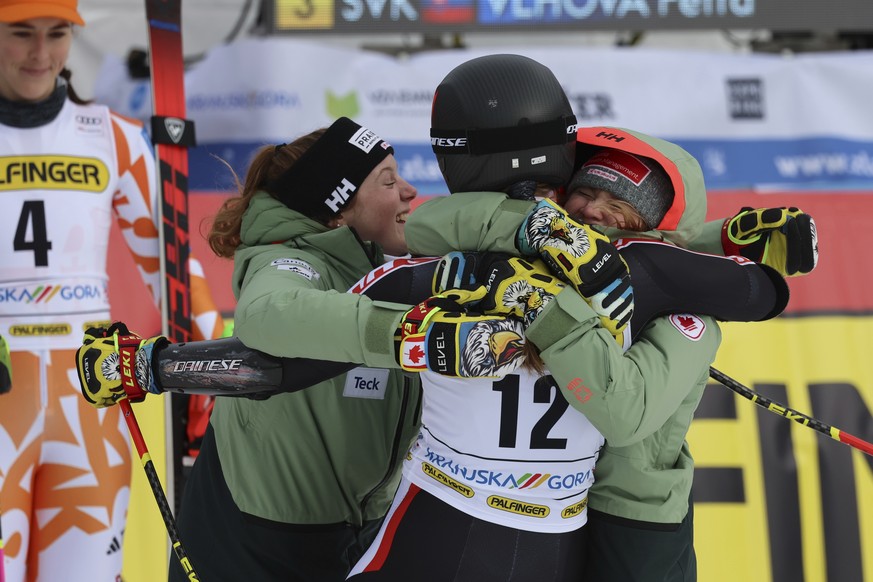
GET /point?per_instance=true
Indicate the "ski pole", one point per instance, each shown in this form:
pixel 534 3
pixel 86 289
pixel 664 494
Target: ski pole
pixel 791 414
pixel 155 482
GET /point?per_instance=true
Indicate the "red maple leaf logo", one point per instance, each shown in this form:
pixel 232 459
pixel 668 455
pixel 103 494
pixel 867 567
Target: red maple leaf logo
pixel 416 354
pixel 687 322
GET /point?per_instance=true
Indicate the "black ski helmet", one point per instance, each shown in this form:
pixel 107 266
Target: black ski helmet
pixel 501 119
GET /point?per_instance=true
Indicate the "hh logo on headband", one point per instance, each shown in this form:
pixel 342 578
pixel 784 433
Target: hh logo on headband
pixel 365 139
pixel 340 195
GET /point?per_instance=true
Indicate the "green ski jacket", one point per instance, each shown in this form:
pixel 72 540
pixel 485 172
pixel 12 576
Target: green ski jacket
pixel 330 453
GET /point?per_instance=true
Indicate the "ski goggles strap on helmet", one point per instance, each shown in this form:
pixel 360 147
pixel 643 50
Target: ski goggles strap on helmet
pixel 504 139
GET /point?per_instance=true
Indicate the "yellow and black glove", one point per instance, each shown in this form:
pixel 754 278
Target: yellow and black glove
pixel 5 367
pixel 115 363
pixel 782 238
pixel 441 336
pixel 519 287
pixel 583 257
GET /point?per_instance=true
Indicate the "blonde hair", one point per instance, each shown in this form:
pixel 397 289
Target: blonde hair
pixel 533 361
pixel 632 218
pixel 269 162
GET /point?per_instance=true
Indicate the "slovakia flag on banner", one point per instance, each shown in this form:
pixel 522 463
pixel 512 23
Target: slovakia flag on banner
pixel 447 11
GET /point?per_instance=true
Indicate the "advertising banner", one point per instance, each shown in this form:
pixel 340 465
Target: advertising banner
pixel 776 501
pixel 753 121
pixel 403 16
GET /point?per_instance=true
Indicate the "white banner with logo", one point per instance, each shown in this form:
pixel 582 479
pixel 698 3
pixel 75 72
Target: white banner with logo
pixel 752 120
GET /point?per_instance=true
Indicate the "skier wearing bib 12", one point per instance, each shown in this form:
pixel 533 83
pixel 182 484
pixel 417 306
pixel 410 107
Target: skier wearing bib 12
pixel 635 187
pixel 501 473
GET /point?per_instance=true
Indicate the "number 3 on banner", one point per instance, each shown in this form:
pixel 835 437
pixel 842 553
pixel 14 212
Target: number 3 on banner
pixel 303 14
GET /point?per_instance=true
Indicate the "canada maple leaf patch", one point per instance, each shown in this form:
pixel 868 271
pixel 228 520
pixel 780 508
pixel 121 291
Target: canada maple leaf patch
pixel 412 356
pixel 416 354
pixel 688 325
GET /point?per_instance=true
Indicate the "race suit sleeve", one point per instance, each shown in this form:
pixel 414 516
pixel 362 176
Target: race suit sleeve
pixel 710 285
pixel 629 395
pixel 135 202
pixel 286 314
pixel 740 295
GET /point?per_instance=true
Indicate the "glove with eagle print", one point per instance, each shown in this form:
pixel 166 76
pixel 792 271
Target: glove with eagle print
pixel 519 287
pixel 439 335
pixel 584 258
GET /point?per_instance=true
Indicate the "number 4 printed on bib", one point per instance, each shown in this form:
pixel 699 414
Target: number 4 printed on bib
pixel 31 234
